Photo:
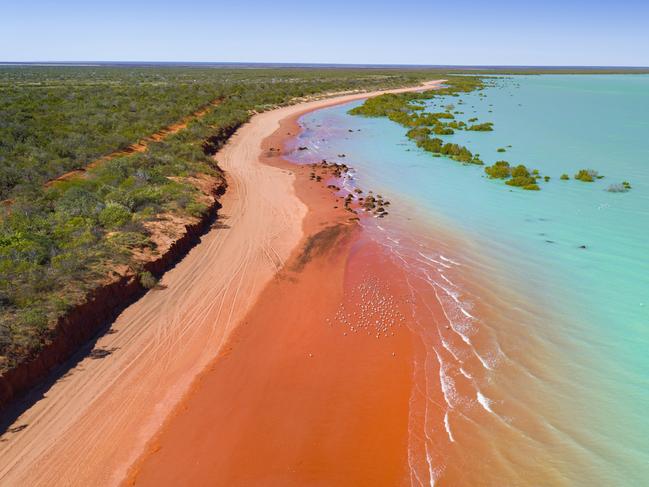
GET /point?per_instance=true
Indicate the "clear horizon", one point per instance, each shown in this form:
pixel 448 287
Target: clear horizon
pixel 86 62
pixel 503 33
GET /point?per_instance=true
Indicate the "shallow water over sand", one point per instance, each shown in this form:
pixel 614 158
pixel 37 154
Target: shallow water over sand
pixel 543 367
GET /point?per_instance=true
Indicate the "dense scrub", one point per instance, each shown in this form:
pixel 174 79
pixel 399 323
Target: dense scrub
pixel 60 241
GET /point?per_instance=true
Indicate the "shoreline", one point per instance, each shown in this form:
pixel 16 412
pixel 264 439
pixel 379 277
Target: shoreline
pixel 157 346
pixel 353 426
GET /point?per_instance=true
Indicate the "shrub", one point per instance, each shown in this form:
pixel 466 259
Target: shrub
pixel 129 240
pixel 564 177
pixel 520 171
pixel 445 115
pixel 196 208
pixel 147 280
pixel 442 130
pixel 499 170
pixel 587 175
pixel 482 127
pixel 418 134
pixel 114 216
pixel 525 182
pixel 78 201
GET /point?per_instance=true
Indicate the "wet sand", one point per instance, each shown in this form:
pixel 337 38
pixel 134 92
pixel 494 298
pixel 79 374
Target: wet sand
pixel 295 398
pixel 92 424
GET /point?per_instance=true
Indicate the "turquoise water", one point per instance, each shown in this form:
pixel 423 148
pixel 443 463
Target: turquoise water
pixel 594 300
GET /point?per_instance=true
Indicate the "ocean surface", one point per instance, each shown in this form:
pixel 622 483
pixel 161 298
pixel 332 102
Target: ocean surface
pixel 543 356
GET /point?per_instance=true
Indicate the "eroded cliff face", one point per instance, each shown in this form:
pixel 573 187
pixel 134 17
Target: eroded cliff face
pixel 103 304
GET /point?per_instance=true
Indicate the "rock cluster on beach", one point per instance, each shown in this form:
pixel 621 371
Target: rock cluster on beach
pixel 353 201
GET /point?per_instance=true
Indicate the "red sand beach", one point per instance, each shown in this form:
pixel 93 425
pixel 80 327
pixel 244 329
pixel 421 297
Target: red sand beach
pixel 298 397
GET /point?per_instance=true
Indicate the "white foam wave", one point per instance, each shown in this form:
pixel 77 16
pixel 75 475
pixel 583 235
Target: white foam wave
pixel 446 383
pixel 431 470
pixel 447 279
pixel 448 260
pixel 447 346
pixel 466 313
pixel 447 426
pixel 485 402
pixel 455 326
pixel 484 363
pixel 464 338
pixel 465 373
pixel 430 259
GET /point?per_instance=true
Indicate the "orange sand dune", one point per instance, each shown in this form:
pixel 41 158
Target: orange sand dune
pixel 91 425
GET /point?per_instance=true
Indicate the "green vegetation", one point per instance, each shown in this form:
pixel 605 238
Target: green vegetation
pixel 442 130
pixel 518 176
pixel 401 106
pixel 565 177
pixel 60 241
pixel 499 170
pixel 408 110
pixel 524 182
pixel 454 151
pixel 148 280
pixel 482 127
pixel 587 175
pixel 404 108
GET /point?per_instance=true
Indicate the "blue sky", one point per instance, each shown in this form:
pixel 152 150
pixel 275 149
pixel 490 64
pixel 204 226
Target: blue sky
pixel 464 32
